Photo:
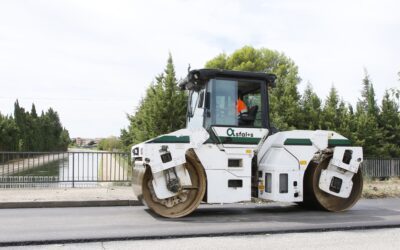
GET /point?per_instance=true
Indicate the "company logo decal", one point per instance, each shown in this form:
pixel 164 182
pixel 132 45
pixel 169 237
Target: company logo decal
pixel 231 133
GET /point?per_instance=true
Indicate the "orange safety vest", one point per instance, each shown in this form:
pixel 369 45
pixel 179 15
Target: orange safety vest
pixel 241 106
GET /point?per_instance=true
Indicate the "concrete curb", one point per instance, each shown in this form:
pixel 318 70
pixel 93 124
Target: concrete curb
pixel 53 204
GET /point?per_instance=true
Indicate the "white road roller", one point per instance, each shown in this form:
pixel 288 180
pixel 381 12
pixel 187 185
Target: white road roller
pixel 229 153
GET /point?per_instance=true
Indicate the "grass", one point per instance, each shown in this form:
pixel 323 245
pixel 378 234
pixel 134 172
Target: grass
pixel 48 169
pixel 100 169
pixel 375 188
pixel 126 165
pixel 125 162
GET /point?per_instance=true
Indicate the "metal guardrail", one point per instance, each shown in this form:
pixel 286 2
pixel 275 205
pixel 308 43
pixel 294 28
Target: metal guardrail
pixel 381 168
pixel 71 169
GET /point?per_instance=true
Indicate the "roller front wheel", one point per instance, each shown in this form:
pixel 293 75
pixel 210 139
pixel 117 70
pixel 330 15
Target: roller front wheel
pixel 186 201
pixel 314 197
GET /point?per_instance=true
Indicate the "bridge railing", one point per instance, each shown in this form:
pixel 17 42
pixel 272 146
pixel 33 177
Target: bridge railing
pixel 67 169
pixel 93 168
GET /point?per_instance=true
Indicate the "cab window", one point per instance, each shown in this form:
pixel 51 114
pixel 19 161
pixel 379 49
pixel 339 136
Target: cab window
pixel 235 103
pixel 193 99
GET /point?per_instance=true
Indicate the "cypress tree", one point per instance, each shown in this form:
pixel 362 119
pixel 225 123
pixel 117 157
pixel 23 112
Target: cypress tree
pixel 174 100
pixel 8 134
pixel 26 131
pixel 368 133
pixel 389 121
pixel 20 121
pixel 161 111
pixel 329 117
pixel 345 119
pixel 310 105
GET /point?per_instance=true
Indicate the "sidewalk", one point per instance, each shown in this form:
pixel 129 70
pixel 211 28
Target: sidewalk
pixel 67 197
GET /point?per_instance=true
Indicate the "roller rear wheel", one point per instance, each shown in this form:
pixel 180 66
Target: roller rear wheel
pixel 315 198
pixel 186 201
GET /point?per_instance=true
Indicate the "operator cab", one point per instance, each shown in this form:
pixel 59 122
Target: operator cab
pixel 225 98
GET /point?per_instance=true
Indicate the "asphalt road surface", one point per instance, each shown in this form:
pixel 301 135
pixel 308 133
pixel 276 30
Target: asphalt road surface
pixel 58 225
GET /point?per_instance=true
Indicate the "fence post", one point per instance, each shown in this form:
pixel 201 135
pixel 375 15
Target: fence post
pixel 392 168
pixel 73 169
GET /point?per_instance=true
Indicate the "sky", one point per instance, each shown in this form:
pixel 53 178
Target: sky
pixel 93 60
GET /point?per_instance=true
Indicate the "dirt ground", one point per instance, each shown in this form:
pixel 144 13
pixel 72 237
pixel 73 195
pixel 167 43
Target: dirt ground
pixel 375 188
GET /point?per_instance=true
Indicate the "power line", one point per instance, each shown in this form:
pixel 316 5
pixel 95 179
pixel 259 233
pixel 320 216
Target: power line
pixel 108 99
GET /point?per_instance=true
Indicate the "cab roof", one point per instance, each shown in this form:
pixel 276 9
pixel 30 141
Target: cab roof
pixel 199 77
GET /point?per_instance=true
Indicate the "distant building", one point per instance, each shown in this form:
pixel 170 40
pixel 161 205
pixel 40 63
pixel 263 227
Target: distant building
pixel 86 142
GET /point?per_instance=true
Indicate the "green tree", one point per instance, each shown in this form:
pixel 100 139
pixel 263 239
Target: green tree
pixel 345 119
pixel 389 121
pixel 329 117
pixel 26 131
pixel 110 144
pixel 173 100
pixel 161 111
pixel 126 137
pixel 284 99
pixel 368 99
pixel 64 140
pixel 368 132
pixel 51 126
pixel 37 137
pixel 26 123
pixel 310 106
pixel 336 115
pixel 20 121
pixel 8 134
pixel 396 91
